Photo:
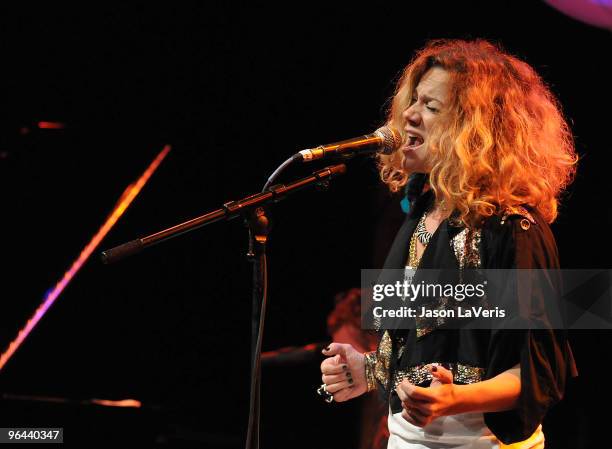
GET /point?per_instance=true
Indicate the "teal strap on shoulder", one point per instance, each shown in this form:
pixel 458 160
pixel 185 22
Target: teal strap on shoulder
pixel 405 205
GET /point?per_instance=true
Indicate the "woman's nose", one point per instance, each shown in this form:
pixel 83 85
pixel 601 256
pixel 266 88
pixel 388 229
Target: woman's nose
pixel 412 116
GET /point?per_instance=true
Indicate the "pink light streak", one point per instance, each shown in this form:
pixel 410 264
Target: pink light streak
pixel 124 202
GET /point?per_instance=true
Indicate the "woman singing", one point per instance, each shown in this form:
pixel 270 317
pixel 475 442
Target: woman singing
pixel 486 155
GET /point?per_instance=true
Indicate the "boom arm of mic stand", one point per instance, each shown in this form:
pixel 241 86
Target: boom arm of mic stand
pixel 229 211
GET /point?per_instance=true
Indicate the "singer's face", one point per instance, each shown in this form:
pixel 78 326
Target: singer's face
pixel 428 101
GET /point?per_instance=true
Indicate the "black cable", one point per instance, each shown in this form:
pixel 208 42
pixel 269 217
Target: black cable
pixel 280 169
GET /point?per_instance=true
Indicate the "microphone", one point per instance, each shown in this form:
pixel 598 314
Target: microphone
pixel 384 139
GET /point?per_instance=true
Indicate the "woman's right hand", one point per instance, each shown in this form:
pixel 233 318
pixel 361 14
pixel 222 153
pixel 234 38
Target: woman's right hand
pixel 343 372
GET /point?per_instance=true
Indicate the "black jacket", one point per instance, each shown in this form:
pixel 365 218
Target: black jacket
pixel 520 239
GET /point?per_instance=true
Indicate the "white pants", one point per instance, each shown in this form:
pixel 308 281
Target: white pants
pixel 463 431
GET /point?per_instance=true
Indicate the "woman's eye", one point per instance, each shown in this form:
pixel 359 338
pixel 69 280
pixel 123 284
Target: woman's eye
pixel 432 109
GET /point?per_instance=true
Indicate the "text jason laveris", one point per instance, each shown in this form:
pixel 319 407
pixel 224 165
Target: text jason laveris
pixel 423 312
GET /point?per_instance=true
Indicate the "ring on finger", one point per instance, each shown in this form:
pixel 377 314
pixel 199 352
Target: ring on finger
pixel 322 391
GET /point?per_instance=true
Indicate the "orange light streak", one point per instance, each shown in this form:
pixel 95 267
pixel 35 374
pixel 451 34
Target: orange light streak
pixel 124 202
pixel 133 403
pixel 51 125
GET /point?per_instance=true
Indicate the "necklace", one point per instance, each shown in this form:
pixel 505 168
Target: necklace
pixel 421 231
pixel 413 260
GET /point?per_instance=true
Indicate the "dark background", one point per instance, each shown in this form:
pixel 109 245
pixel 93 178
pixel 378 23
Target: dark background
pixel 235 90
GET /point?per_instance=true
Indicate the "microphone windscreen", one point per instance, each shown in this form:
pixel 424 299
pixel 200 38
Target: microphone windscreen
pixel 392 139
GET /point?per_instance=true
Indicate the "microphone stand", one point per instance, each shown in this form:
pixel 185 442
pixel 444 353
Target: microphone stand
pixel 252 208
pixel 229 211
pixel 258 238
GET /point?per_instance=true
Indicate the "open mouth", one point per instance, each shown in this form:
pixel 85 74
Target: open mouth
pixel 413 143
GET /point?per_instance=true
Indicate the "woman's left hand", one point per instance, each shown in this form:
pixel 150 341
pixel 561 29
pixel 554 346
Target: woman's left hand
pixel 423 405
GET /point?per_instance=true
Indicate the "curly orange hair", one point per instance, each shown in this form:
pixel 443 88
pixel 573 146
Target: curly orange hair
pixel 501 141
